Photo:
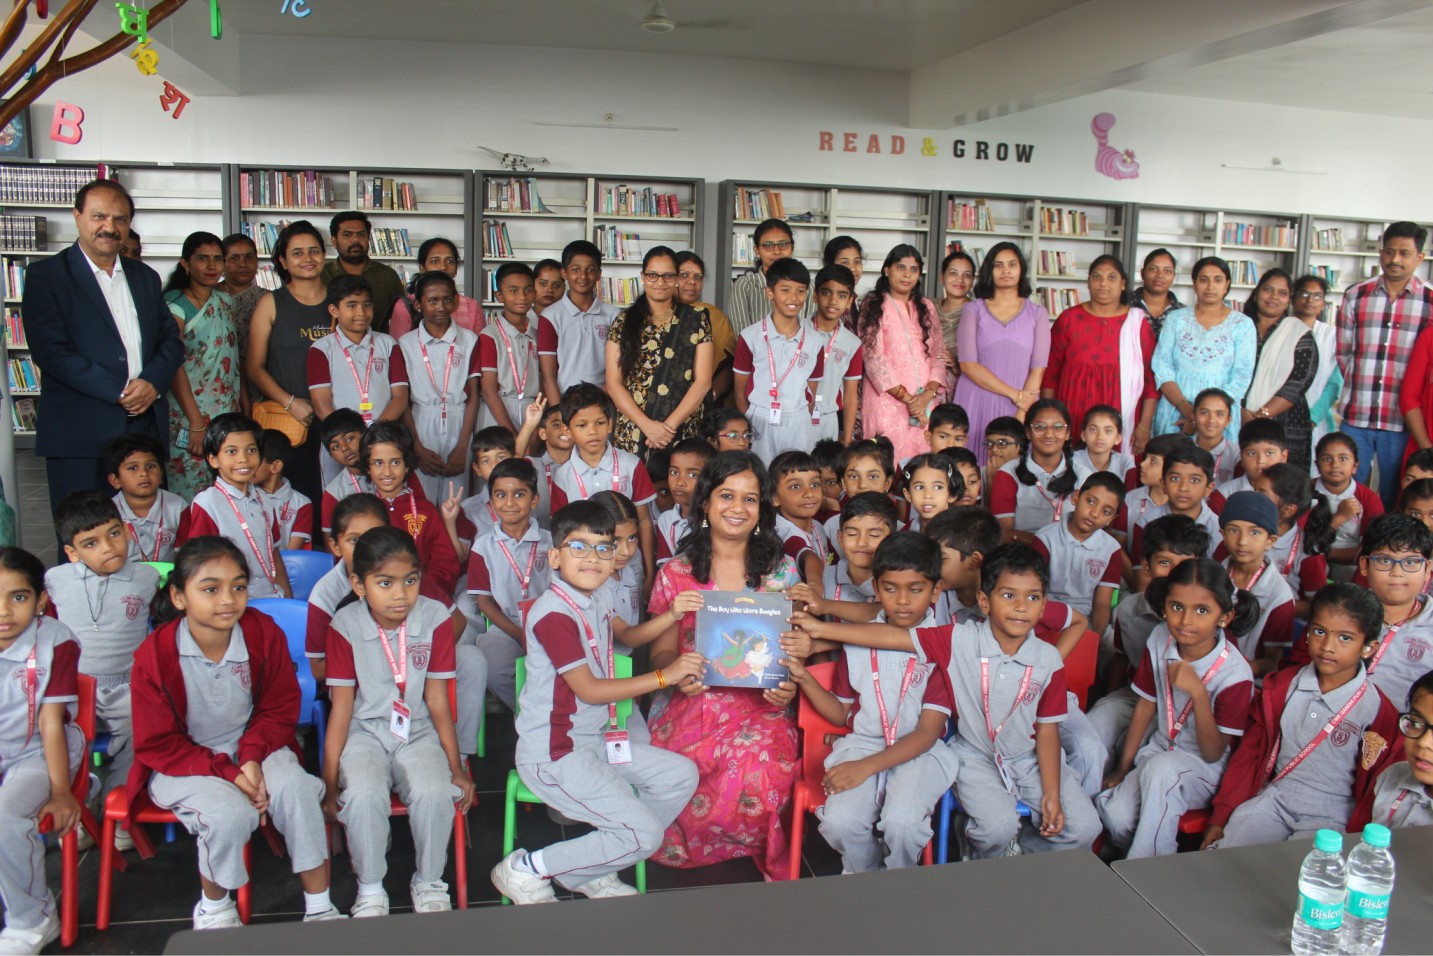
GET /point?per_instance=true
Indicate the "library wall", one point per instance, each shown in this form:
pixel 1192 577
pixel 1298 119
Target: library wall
pixel 325 101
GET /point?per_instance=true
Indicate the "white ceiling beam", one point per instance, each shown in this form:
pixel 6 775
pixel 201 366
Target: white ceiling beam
pixel 1106 44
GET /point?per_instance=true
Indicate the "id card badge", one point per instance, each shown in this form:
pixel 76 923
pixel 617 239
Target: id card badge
pixel 816 417
pixel 367 417
pixel 775 417
pixel 399 722
pixel 619 749
pixel 523 607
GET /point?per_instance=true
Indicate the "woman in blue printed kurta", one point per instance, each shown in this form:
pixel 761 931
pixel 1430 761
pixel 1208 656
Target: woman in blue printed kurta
pixel 1207 346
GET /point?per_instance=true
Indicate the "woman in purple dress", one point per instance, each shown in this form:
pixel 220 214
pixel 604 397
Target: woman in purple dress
pixel 1004 344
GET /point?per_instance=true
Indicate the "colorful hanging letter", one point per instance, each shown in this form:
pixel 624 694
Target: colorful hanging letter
pixel 297 5
pixel 173 96
pixel 216 22
pixel 65 128
pixel 133 20
pixel 145 59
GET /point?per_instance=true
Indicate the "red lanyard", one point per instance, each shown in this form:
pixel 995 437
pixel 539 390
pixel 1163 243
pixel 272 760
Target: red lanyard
pixel 616 477
pixel 775 389
pixel 1293 551
pixel 1394 809
pixel 889 727
pixel 1387 640
pixel 524 577
pixel 357 488
pixel 158 535
pixel 1328 728
pixel 587 632
pixel 1056 504
pixel 364 405
pixel 826 364
pixel 1174 726
pixel 519 383
pixel 32 689
pixel 992 729
pixel 1252 581
pixel 270 573
pixel 400 666
pixel 447 369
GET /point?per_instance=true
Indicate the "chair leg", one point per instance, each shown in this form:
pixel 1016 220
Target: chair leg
pixel 798 832
pixel 460 859
pixel 641 876
pixel 928 855
pixel 69 888
pixel 272 838
pixel 944 808
pixel 106 885
pixel 482 751
pixel 510 819
pixel 320 725
pixel 244 894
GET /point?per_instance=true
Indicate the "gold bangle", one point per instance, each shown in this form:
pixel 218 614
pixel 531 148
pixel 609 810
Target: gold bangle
pixel 661 679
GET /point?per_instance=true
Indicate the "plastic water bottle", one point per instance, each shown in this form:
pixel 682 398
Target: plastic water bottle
pixel 1370 883
pixel 1321 891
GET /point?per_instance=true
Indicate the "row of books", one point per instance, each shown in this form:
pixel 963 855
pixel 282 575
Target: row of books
pixel 621 291
pixel 623 200
pixel 304 189
pixel 264 234
pixel 518 194
pixel 15 330
pixel 619 246
pixel 1054 263
pixel 1058 300
pixel 388 241
pixel 496 242
pixel 1248 234
pixel 965 215
pixel 757 203
pixel 23 233
pixel 14 278
pixel 1328 273
pixel 24 376
pixel 385 193
pixel 975 252
pixel 1064 222
pixel 45 184
pixel 24 415
pixel 1244 271
pixel 1328 240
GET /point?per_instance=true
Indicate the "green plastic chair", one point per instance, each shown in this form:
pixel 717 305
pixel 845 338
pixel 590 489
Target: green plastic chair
pixel 163 567
pixel 517 792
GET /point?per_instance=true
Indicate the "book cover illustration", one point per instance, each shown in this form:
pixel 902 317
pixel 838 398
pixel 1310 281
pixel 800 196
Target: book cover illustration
pixel 739 632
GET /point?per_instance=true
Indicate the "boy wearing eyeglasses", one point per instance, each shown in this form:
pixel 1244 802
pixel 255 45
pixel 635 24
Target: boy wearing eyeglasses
pixel 572 332
pixel 571 752
pixel 1403 796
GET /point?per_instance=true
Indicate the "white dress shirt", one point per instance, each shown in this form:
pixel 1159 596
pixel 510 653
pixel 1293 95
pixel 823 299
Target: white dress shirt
pixel 115 289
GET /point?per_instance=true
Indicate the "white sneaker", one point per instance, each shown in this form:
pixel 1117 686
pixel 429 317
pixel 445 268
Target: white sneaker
pixel 520 886
pixel 123 840
pixel 605 887
pixel 328 914
pixel 430 897
pixel 223 918
pixel 367 905
pixel 31 941
pixel 83 839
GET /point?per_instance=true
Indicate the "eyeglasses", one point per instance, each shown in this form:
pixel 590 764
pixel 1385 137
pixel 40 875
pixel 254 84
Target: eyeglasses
pixel 1413 726
pixel 581 549
pixel 1040 428
pixel 1000 444
pixel 1412 564
pixel 776 245
pixel 665 278
pixel 1311 296
pixel 746 437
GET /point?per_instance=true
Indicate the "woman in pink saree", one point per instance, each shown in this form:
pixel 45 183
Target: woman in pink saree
pixel 743 741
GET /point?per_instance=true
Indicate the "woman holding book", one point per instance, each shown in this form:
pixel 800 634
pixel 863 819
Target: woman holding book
pixel 743 741
pixel 208 383
pixel 659 362
pixel 1207 346
pixel 1287 361
pixel 1099 355
pixel 436 255
pixel 286 322
pixel 1004 341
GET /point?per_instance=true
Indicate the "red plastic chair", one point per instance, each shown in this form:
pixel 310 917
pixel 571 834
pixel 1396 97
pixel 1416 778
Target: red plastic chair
pixel 808 794
pixel 70 842
pixel 1080 667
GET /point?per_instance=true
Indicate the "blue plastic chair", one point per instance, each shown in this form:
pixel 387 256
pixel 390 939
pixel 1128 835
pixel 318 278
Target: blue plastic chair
pixel 305 568
pixel 292 618
pixel 949 806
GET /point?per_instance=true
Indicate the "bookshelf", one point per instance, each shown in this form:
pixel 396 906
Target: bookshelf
pixel 171 201
pixel 1059 237
pixel 1251 242
pixel 877 218
pixel 406 207
pixel 525 217
pixel 1345 252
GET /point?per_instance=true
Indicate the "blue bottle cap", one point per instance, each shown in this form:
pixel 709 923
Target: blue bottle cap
pixel 1376 834
pixel 1329 841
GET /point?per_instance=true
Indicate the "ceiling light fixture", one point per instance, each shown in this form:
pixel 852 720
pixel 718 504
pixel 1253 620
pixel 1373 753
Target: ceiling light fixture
pixel 1276 165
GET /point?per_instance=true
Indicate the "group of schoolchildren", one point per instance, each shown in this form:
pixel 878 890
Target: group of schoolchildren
pixel 949 594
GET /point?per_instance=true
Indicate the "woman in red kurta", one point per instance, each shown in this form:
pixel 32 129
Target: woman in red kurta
pixel 1415 400
pixel 1100 354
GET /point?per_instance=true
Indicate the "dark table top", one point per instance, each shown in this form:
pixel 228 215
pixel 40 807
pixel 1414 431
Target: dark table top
pixel 1242 900
pixel 1065 902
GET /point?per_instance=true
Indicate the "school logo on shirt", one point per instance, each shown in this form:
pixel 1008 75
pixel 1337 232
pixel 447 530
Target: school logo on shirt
pixel 601 331
pixel 379 364
pixel 419 654
pixel 1373 748
pixel 1417 647
pixel 838 356
pixel 1096 567
pixel 133 605
pixel 541 563
pixel 415 523
pixel 1345 731
pixel 240 669
pixel 919 675
pixel 1032 693
pixel 18 675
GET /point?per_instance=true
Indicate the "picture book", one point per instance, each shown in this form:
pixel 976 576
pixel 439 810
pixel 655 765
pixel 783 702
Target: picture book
pixel 739 632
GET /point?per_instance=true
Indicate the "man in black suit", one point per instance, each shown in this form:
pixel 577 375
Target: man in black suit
pixel 105 342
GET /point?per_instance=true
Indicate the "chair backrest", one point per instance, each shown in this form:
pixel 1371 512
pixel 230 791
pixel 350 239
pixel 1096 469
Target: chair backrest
pixel 1080 667
pixel 85 711
pixel 292 618
pixel 305 568
pixel 621 667
pixel 814 727
pixel 163 567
